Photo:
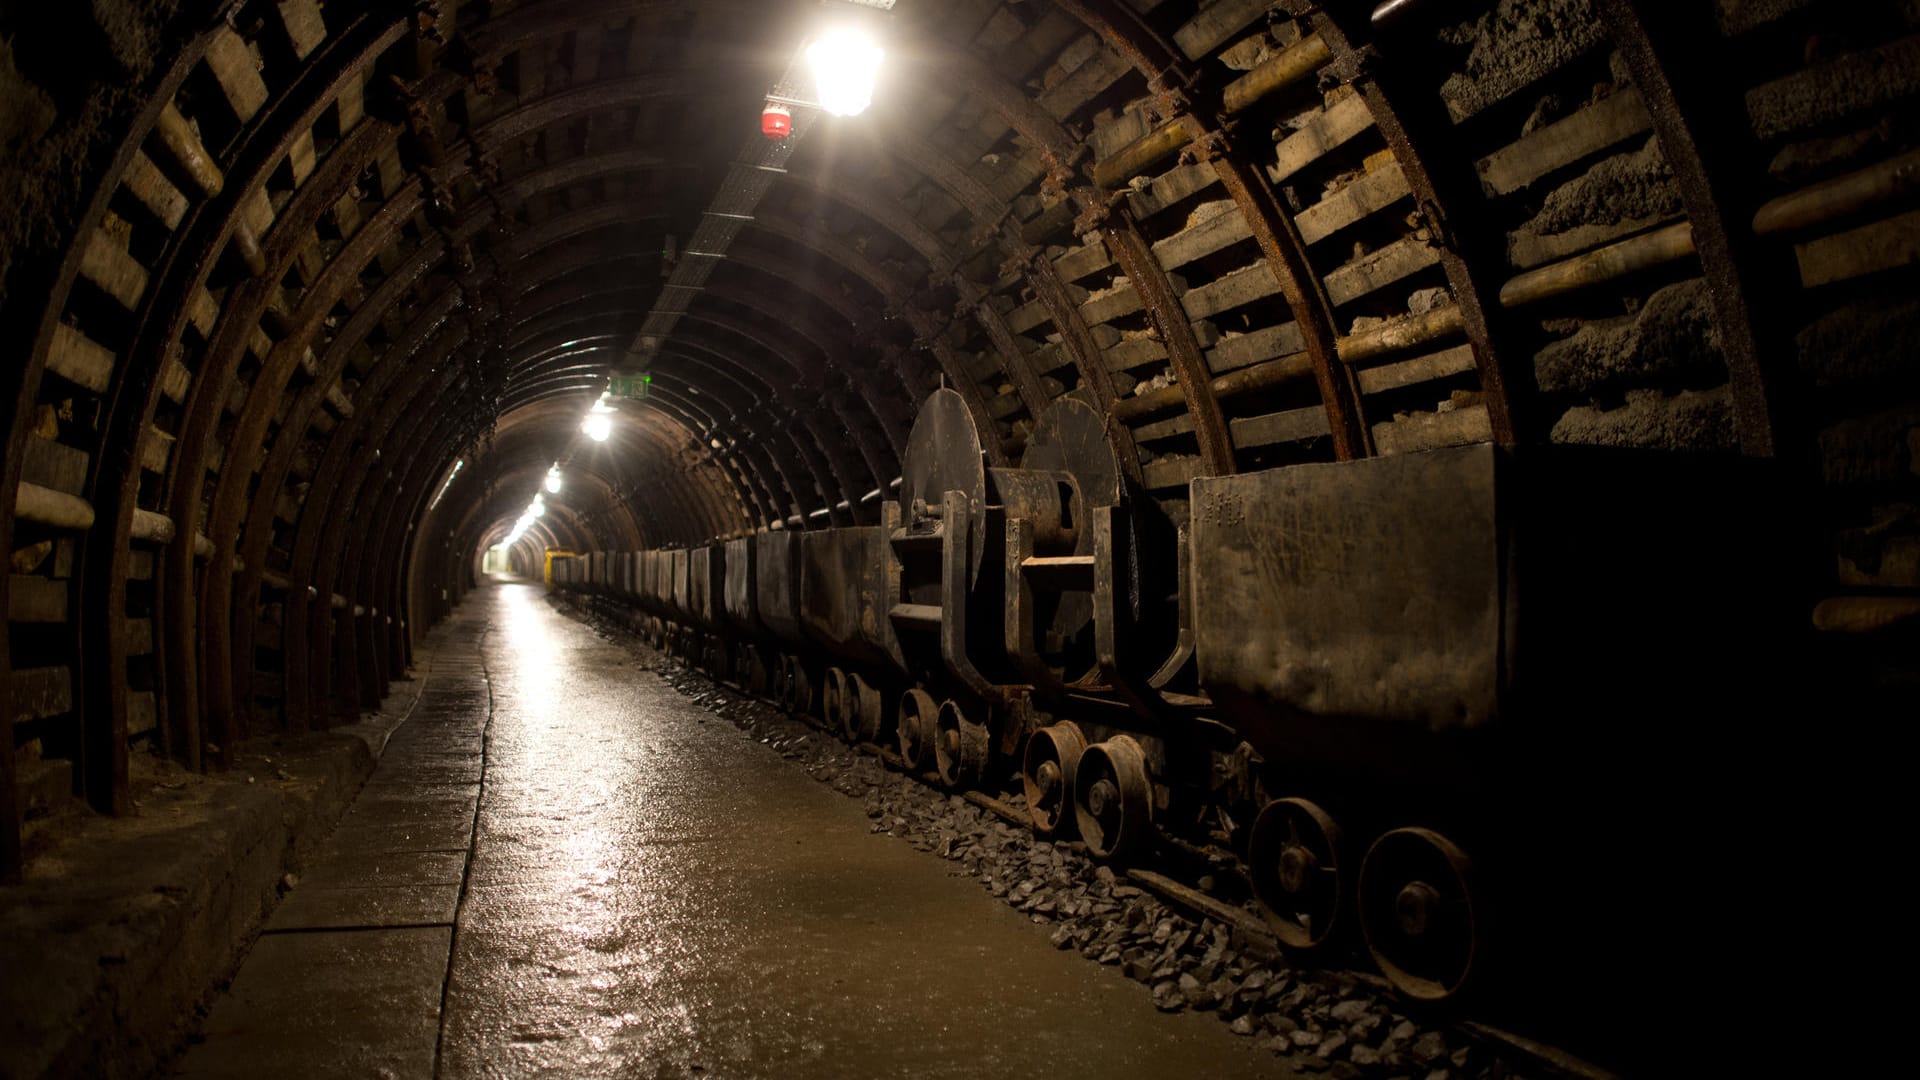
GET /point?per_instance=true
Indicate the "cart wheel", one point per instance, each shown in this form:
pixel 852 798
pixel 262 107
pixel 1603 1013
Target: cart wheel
pixel 1293 857
pixel 1417 912
pixel 799 688
pixel 915 729
pixel 1113 798
pixel 959 747
pixel 1046 775
pixel 833 700
pixel 865 719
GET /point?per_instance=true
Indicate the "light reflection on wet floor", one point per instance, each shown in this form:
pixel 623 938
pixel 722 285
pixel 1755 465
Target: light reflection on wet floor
pixel 652 893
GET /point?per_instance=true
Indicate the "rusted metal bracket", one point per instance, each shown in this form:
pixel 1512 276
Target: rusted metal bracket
pixel 1705 136
pixel 1189 364
pixel 1414 123
pixel 1279 241
pixel 1128 33
pixel 1089 358
pixel 102 555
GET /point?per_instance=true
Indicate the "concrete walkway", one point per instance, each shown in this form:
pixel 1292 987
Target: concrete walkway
pixel 563 868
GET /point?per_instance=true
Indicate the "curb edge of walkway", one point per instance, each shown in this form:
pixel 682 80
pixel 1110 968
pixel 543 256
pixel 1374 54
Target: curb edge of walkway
pixel 129 980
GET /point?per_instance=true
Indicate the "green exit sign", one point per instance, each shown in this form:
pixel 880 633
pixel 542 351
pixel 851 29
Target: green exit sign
pixel 631 386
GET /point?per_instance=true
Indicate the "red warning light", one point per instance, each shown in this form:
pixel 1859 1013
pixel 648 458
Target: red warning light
pixel 776 122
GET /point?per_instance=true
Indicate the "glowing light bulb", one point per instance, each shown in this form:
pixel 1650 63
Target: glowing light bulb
pixel 599 427
pixel 845 63
pixel 553 481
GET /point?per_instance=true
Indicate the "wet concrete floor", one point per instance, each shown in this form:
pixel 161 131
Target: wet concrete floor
pixel 563 868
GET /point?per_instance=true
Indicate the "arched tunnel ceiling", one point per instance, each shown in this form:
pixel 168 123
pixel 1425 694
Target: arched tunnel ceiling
pixel 579 200
pixel 285 264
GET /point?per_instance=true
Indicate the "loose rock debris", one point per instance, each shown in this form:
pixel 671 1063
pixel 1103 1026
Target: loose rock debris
pixel 1328 1022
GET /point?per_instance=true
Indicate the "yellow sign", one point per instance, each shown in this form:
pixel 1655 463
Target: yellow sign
pixel 552 554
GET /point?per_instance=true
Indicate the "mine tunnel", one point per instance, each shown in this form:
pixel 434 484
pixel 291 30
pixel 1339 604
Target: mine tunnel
pixel 956 538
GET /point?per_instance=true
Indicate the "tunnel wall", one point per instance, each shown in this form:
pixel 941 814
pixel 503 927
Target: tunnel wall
pixel 271 270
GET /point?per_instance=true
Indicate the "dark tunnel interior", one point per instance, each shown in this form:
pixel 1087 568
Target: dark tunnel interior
pixel 1417 479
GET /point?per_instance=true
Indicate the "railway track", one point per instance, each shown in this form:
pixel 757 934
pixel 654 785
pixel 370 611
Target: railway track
pixel 1256 958
pixel 332 282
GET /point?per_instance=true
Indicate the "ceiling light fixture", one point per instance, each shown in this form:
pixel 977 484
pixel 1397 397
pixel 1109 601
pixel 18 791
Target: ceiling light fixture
pixel 846 65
